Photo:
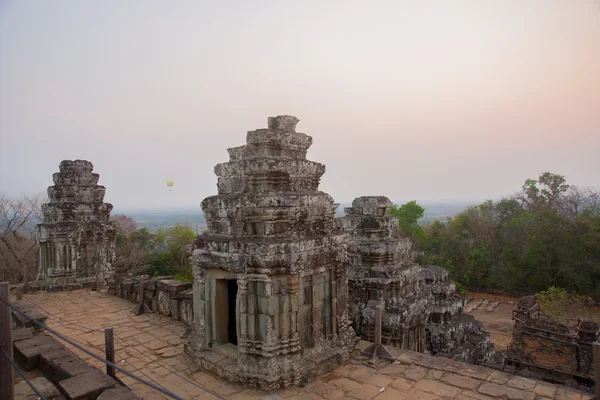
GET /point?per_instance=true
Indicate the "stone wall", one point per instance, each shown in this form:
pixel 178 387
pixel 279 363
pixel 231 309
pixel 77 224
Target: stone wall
pixel 161 295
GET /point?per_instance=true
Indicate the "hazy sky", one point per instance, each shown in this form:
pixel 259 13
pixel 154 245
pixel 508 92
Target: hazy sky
pixel 410 99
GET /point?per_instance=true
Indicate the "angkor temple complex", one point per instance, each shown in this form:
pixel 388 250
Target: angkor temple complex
pixel 282 288
pixel 76 237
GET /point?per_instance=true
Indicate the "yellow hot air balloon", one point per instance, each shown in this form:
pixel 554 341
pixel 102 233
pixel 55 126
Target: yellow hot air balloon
pixel 170 183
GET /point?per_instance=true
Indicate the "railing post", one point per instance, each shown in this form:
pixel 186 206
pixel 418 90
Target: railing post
pixel 596 347
pixel 97 277
pixel 109 342
pixel 25 278
pixel 141 305
pixel 6 369
pixel 377 349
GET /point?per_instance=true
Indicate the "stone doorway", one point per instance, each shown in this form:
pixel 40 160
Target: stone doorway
pixel 225 311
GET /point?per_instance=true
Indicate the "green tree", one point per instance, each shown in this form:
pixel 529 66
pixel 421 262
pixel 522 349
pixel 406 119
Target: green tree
pixel 179 239
pixel 408 215
pixel 548 235
pixel 546 196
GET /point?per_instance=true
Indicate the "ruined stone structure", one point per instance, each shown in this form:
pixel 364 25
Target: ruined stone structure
pixel 161 295
pixel 554 350
pixel 270 274
pixel 422 313
pixel 76 236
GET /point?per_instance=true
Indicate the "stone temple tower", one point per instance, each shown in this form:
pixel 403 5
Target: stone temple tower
pixel 270 274
pixel 75 235
pixel 421 310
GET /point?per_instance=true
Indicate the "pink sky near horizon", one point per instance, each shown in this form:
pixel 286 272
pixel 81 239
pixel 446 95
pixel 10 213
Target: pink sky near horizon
pixel 412 100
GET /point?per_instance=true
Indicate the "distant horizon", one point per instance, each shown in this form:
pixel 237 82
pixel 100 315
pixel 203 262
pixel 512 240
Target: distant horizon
pixel 184 208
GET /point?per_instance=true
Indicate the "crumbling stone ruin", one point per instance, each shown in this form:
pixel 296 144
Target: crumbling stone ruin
pixel 550 349
pixel 76 237
pixel 163 295
pixel 421 311
pixel 270 274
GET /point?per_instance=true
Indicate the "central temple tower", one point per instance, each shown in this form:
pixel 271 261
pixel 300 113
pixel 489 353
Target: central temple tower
pixel 270 273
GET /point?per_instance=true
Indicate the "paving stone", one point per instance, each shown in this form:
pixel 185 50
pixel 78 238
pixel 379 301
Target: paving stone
pixel 345 384
pixel 364 391
pixel 495 390
pixel 393 369
pixel 519 382
pixel 563 393
pixel 470 395
pixel 415 373
pixel 27 351
pixel 434 374
pixel 87 386
pixel 335 394
pixel 119 393
pixel 392 394
pixel 403 384
pixel 499 377
pixel 418 395
pixel 378 380
pixel 361 373
pixel 437 388
pixel 156 344
pixel 461 381
pixel 477 372
pixel 545 389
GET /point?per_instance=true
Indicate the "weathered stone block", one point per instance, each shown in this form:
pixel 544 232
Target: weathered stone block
pixel 31 314
pixel 27 351
pixel 155 304
pixel 21 334
pixel 46 359
pixel 175 309
pixel 68 367
pixel 45 388
pixel 87 386
pixel 173 286
pixel 164 303
pixel 186 311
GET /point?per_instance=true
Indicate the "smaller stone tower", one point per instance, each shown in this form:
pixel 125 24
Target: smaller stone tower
pixel 421 311
pixel 75 235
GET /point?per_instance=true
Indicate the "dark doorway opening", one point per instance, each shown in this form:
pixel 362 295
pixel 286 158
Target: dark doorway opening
pixel 232 289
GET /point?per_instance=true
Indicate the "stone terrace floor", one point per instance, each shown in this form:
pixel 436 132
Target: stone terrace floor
pixel 151 346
